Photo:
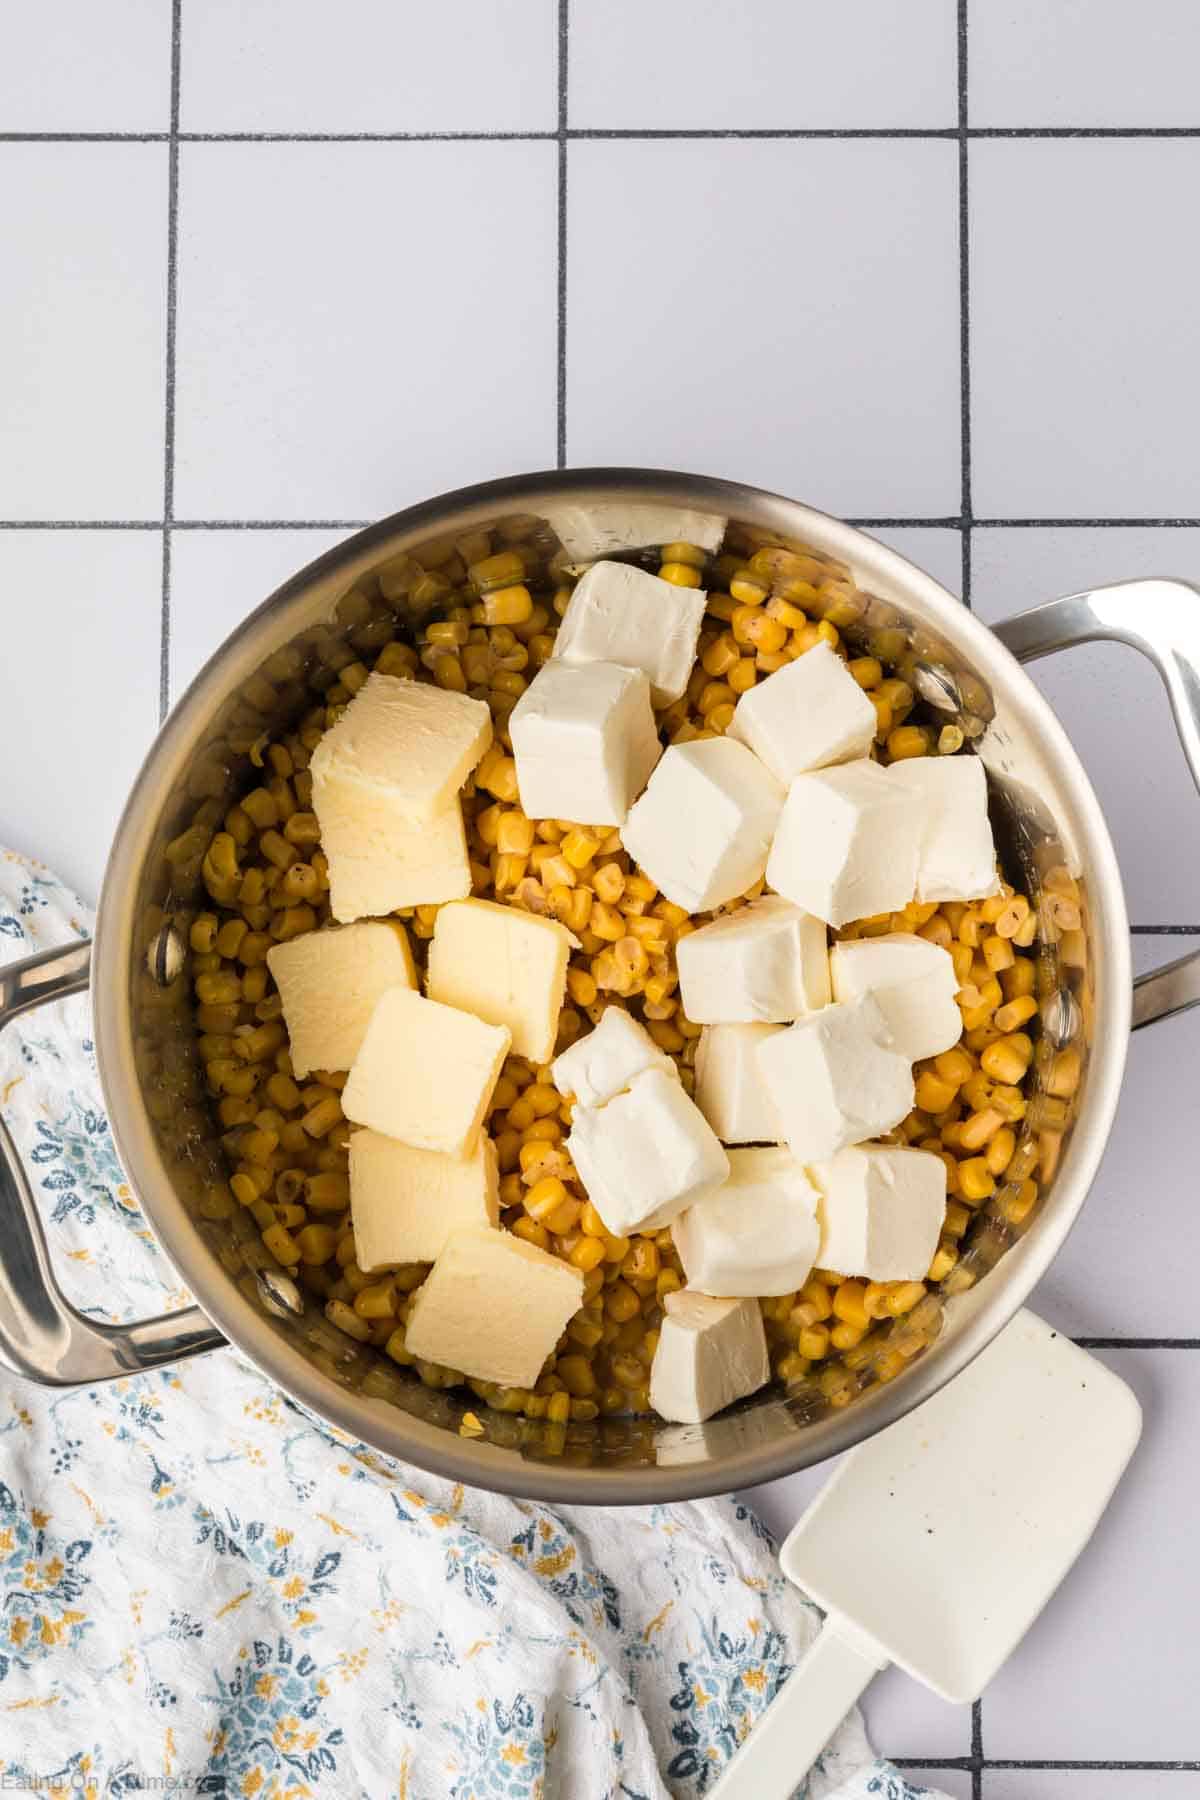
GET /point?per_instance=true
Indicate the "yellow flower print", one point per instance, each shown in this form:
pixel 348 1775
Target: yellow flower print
pixel 283 1537
pixel 514 1754
pixel 286 1734
pixel 293 1587
pixel 18 1630
pixel 252 1781
pixel 265 1686
pixel 755 1678
pixel 54 1568
pixel 40 1519
pixel 556 1562
pixel 6 1539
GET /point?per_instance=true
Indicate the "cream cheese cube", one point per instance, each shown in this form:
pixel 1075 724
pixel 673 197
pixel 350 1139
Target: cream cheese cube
pixel 768 961
pixel 506 966
pixel 404 1203
pixel 584 740
pixel 756 1235
pixel 619 613
pixel 381 859
pixel 846 847
pixel 914 984
pixel 957 858
pixel 881 1211
pixel 425 1073
pixel 645 1155
pixel 493 1306
pixel 703 828
pixel 409 741
pixel 805 716
pixel 710 1353
pixel 604 527
pixel 604 1063
pixel 835 1079
pixel 730 1089
pixel 330 983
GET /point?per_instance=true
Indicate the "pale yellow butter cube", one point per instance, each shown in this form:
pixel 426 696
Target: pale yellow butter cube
pixel 404 1203
pixel 505 966
pixel 408 740
pixel 379 857
pixel 493 1306
pixel 425 1073
pixel 330 983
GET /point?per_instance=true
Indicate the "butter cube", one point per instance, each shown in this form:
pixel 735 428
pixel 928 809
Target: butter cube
pixel 618 613
pixel 767 961
pixel 604 1063
pixel 957 851
pixel 914 984
pixel 710 1353
pixel 730 1089
pixel 493 1306
pixel 881 1211
pixel 506 966
pixel 425 1073
pixel 404 1203
pixel 603 527
pixel 835 1079
pixel 645 1155
pixel 330 982
pixel 703 828
pixel 846 847
pixel 756 1235
pixel 380 858
pixel 408 741
pixel 806 715
pixel 584 740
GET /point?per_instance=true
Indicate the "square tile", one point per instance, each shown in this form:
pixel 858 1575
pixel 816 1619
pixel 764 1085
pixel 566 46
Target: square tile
pixel 1108 1673
pixel 935 548
pixel 82 330
pixel 782 312
pixel 407 348
pixel 1086 62
pixel 1139 771
pixel 219 577
pixel 1084 361
pixel 80 66
pixel 772 65
pixel 88 610
pixel 956 1783
pixel 1091 1784
pixel 462 65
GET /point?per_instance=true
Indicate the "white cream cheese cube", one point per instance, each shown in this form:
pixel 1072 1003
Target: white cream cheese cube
pixel 604 1063
pixel 404 1203
pixel 379 857
pixel 619 613
pixel 506 966
pixel 330 983
pixel 881 1211
pixel 710 1353
pixel 756 1235
pixel 605 527
pixel 492 1306
pixel 846 847
pixel 703 828
pixel 584 740
pixel 425 1073
pixel 835 1079
pixel 806 715
pixel 957 851
pixel 914 984
pixel 645 1155
pixel 731 1091
pixel 768 961
pixel 407 740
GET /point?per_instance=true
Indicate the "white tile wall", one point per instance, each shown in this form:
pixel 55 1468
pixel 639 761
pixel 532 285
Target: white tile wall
pixel 1084 62
pixel 1087 1784
pixel 83 65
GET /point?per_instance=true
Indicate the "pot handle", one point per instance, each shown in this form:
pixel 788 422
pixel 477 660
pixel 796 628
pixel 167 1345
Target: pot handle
pixel 1161 619
pixel 42 1336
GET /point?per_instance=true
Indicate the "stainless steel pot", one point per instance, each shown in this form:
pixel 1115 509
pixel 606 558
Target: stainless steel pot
pixel 1045 810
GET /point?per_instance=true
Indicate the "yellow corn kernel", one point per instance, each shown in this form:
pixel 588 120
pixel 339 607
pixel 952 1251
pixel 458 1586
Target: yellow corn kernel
pixel 581 987
pixel 1062 1075
pixel 282 1245
pixel 944 1259
pixel 980 1128
pixel 1007 1059
pixel 999 1152
pixel 588 1254
pixel 976 1181
pixel 378 1301
pixel 933 1092
pixel 347 1320
pixel 507 605
pixel 720 656
pixel 680 574
pixel 847 1337
pixel 514 834
pixel 621 1302
pixel 544 1197
pixel 316 1243
pixel 849 1304
pixel 907 741
pixel 903 1296
pixel 533 1232
pixel 1018 1201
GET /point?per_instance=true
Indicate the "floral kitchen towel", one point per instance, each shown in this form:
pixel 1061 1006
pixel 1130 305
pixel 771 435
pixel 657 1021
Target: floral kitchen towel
pixel 205 1589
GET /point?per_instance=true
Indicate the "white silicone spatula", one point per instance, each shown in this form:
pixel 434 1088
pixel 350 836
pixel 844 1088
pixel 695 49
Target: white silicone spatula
pixel 937 1543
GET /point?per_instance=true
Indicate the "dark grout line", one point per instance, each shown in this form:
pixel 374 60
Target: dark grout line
pixel 965 1763
pixel 1165 930
pixel 561 342
pixel 1083 524
pixel 367 137
pixel 632 134
pixel 164 647
pixel 1136 1343
pixel 708 134
pixel 945 522
pixel 964 305
pixel 976 1762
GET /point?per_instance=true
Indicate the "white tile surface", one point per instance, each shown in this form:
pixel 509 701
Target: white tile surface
pixel 769 64
pixel 1091 1784
pixel 806 338
pixel 936 549
pixel 461 65
pixel 219 577
pixel 1138 769
pixel 85 65
pixel 361 325
pixel 954 1782
pixel 1084 361
pixel 81 625
pixel 82 330
pixel 1084 62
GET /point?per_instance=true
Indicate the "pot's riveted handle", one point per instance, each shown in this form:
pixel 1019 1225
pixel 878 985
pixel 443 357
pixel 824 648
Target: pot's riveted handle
pixel 1161 619
pixel 42 1336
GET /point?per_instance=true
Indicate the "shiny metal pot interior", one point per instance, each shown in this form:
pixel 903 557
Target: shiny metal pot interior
pixel 1046 816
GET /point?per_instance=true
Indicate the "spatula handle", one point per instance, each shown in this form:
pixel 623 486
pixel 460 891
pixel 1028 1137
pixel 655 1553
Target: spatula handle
pixel 803 1716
